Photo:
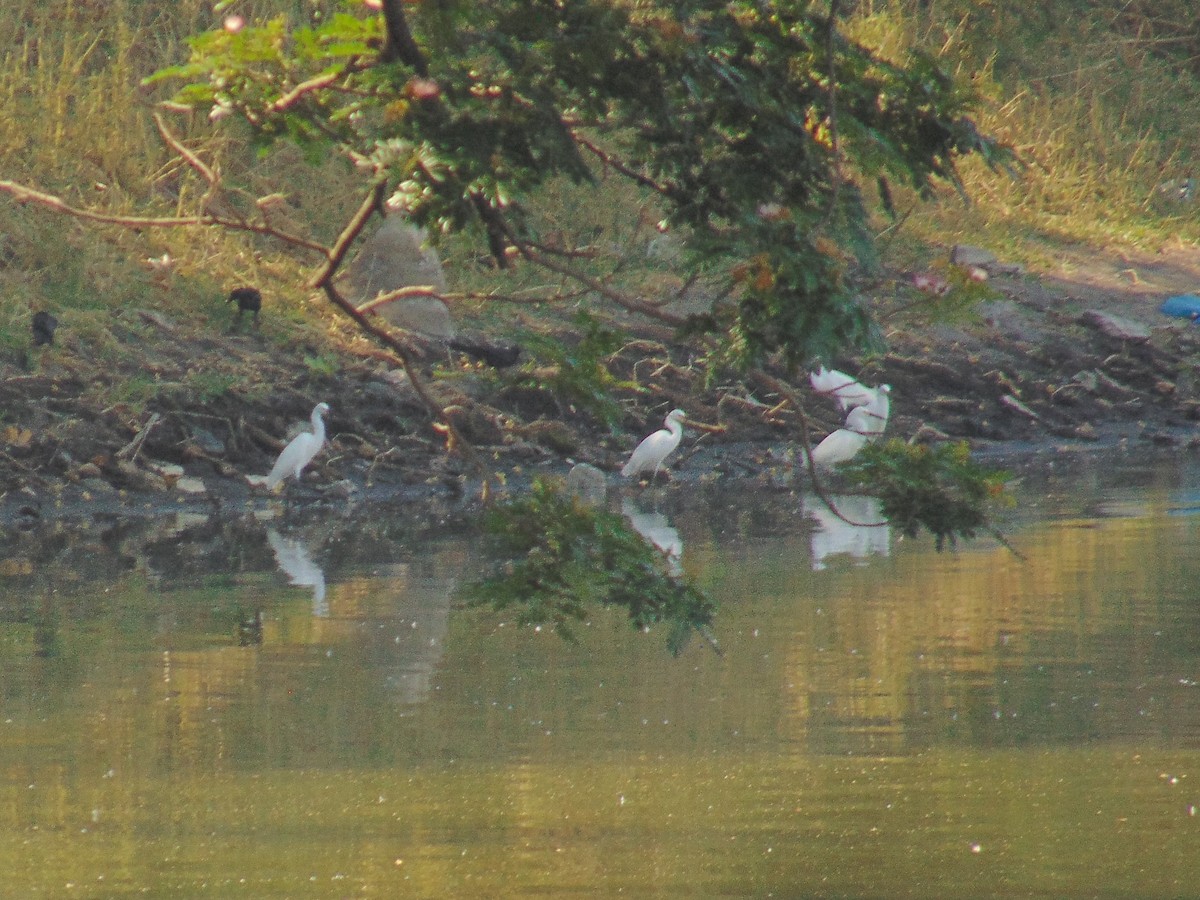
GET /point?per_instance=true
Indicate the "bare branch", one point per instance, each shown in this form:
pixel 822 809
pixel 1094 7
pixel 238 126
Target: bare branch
pixel 632 304
pixel 784 390
pixel 404 357
pixel 400 44
pixel 296 94
pixel 612 162
pixel 403 293
pixel 187 155
pixel 371 203
pixel 23 195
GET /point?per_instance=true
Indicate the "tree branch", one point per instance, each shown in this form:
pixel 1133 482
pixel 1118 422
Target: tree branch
pixel 372 202
pixel 785 391
pixel 401 46
pixel 23 195
pixel 324 280
pixel 632 304
pixel 609 160
pixel 292 97
pixel 187 155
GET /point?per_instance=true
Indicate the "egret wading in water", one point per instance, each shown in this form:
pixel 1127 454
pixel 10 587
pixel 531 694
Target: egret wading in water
pixel 650 453
pixel 844 443
pixel 300 450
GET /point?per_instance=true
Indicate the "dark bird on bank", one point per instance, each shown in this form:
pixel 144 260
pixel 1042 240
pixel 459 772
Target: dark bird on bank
pixel 497 354
pixel 43 328
pixel 248 300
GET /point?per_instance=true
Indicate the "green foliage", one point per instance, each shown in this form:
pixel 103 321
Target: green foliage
pixel 956 297
pixel 555 557
pixel 324 364
pixel 580 376
pixel 210 385
pixel 737 117
pixel 136 391
pixel 937 488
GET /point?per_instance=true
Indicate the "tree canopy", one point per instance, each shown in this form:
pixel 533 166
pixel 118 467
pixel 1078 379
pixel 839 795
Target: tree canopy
pixel 759 129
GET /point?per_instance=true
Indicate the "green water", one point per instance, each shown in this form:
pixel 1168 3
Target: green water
pixel 884 722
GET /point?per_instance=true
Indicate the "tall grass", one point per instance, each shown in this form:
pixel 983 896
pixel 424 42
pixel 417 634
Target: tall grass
pixel 1096 99
pixel 76 121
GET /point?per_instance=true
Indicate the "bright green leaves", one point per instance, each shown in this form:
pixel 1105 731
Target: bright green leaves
pixel 300 83
pixel 554 558
pixel 939 489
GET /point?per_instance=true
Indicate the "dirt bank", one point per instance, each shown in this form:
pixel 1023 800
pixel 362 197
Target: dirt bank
pixel 1079 355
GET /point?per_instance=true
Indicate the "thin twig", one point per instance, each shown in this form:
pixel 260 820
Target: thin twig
pixel 404 293
pixel 23 194
pixel 134 447
pixel 185 154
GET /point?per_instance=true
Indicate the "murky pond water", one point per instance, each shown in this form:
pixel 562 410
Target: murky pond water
pixel 885 721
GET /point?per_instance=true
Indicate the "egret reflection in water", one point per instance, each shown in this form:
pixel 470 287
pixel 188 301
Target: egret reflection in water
pixel 294 560
pixel 835 535
pixel 658 530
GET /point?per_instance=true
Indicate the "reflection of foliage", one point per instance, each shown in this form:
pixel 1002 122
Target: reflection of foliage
pixel 555 556
pixel 938 488
pixel 580 376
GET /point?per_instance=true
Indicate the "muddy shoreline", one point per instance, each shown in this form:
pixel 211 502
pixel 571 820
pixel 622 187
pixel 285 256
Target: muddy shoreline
pixel 1053 365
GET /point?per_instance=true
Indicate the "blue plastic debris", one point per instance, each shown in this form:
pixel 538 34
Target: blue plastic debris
pixel 1182 306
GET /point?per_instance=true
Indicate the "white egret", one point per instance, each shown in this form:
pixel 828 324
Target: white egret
pixel 300 451
pixel 848 392
pixel 650 453
pixel 844 443
pixel 877 412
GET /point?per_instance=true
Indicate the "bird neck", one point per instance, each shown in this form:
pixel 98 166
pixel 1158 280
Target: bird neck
pixel 318 425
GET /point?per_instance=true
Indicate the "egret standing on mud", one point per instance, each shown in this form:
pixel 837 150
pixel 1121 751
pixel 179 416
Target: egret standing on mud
pixel 650 453
pixel 300 450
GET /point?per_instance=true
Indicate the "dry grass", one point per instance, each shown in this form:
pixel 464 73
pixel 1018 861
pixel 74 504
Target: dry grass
pixel 1093 99
pixel 75 121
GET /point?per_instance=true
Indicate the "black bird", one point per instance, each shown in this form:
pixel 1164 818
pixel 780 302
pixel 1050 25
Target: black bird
pixel 43 328
pixel 248 299
pixel 497 354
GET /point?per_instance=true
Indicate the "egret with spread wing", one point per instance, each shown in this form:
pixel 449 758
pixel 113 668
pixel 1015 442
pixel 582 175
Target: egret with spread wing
pixel 848 392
